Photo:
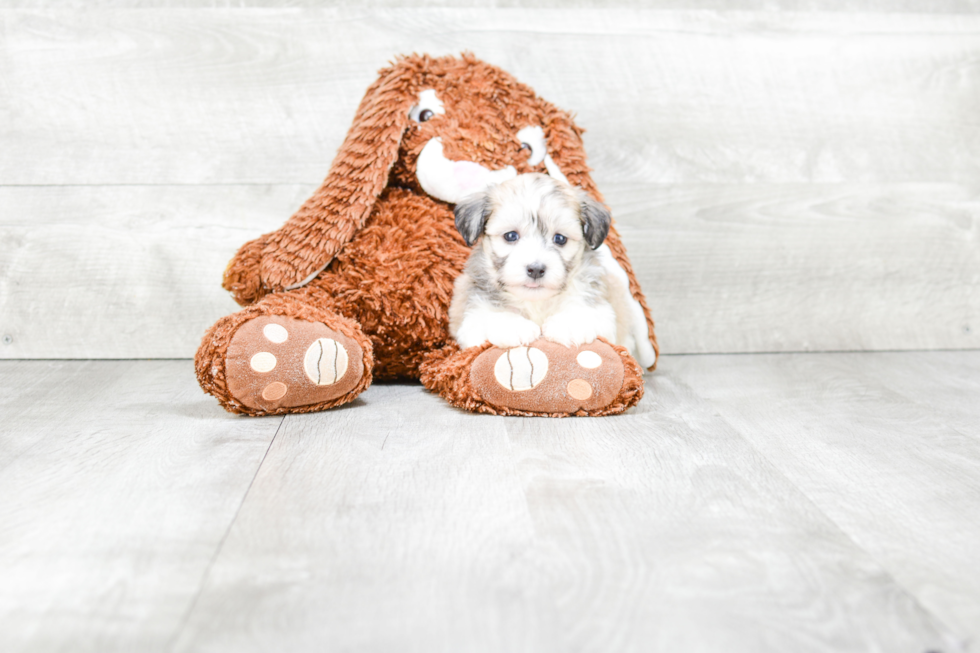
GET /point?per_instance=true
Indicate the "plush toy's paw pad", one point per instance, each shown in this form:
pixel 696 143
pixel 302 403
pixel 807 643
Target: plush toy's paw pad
pixel 521 369
pixel 276 362
pixel 326 361
pixel 548 377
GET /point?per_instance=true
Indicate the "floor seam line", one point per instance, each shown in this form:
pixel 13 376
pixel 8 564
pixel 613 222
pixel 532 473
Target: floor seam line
pixel 665 355
pixel 962 640
pixel 221 542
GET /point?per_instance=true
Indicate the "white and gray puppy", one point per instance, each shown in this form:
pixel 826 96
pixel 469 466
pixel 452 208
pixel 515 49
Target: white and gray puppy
pixel 534 271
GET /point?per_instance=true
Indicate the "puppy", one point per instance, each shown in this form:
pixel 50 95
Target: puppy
pixel 535 270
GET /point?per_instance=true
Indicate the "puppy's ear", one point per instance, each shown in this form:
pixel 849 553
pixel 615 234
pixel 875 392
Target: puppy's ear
pixel 596 219
pixel 471 216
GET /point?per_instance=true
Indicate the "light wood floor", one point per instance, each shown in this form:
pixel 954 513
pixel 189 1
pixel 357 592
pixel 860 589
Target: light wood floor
pixel 790 503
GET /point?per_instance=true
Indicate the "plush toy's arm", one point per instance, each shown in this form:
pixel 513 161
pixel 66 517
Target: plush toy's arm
pixel 294 254
pixel 291 256
pixel 242 278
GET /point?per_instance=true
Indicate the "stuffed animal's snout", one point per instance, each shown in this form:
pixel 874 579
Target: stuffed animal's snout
pixel 452 181
pixel 454 152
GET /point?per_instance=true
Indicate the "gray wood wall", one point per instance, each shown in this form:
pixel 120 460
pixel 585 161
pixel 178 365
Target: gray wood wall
pixel 790 176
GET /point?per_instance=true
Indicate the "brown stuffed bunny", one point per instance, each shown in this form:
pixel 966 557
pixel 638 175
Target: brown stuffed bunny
pixel 357 284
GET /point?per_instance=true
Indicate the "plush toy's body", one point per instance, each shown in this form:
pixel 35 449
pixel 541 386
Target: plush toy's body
pixel 357 284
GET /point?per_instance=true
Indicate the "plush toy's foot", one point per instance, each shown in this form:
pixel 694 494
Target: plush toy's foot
pixel 275 362
pixel 268 364
pixel 545 379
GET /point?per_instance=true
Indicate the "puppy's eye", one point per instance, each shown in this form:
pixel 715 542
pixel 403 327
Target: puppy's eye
pixel 560 240
pixel 511 236
pixel 426 114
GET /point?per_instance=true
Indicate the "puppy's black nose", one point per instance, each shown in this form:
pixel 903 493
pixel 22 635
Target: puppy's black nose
pixel 535 270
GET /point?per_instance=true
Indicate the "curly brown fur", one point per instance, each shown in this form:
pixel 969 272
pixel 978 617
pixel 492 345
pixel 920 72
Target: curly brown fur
pixel 370 245
pixel 396 280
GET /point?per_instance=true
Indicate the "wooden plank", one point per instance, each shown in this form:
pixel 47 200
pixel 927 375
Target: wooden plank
pixel 883 6
pixel 32 391
pixel 119 485
pixel 400 524
pixel 265 95
pixel 880 444
pixel 357 524
pixel 134 271
pixel 742 268
pixel 951 388
pixel 124 272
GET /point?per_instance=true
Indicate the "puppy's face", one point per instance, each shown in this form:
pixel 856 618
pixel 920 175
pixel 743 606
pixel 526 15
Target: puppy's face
pixel 535 231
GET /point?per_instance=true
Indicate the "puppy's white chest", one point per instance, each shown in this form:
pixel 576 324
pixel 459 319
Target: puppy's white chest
pixel 538 312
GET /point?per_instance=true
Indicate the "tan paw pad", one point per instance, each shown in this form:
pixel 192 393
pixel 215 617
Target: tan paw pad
pixel 263 362
pixel 274 391
pixel 325 362
pixel 522 368
pixel 579 389
pixel 275 333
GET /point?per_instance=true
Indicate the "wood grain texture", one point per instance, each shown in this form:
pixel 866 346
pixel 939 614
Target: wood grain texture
pixel 883 6
pixel 33 391
pixel 266 95
pixel 749 503
pixel 386 518
pixel 117 482
pixel 806 267
pixel 887 445
pixel 121 272
pixel 399 523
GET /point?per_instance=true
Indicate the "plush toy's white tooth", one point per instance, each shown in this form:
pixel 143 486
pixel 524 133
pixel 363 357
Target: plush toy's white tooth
pixel 521 368
pixel 619 285
pixel 325 362
pixel 553 169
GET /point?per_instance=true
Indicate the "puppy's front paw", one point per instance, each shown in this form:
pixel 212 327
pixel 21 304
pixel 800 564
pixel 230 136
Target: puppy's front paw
pixel 503 330
pixel 569 332
pixel 511 330
pixel 471 333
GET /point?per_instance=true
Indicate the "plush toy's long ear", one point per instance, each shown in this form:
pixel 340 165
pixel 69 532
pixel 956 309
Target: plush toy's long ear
pixel 565 146
pixel 564 139
pixel 309 240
